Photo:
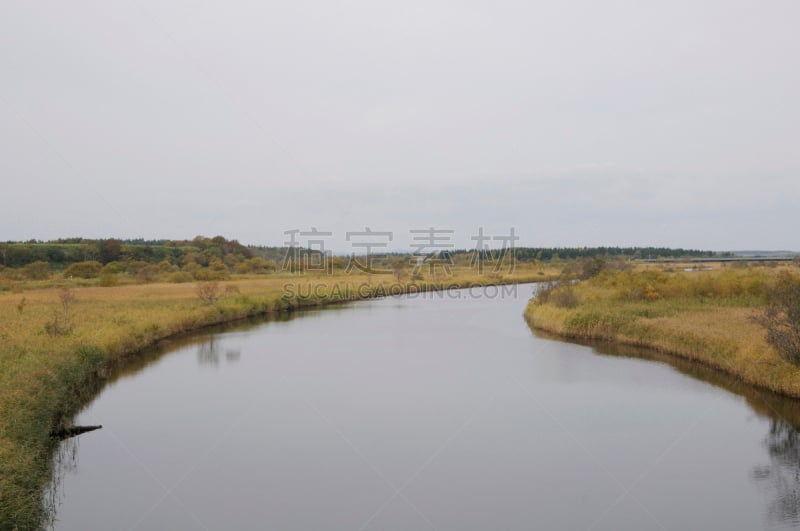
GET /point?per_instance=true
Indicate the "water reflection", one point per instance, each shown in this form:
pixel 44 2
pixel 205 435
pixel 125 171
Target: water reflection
pixel 65 461
pixel 133 365
pixel 780 478
pixel 210 352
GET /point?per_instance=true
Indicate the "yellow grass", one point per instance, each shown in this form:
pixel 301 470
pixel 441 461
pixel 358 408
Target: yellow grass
pixel 44 380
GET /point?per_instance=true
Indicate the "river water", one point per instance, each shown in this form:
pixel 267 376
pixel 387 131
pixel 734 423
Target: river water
pixel 430 412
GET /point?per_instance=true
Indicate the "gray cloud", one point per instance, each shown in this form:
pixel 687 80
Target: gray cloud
pixel 579 123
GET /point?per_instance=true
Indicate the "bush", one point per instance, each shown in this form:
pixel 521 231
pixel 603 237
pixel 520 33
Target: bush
pixel 133 267
pixel 208 292
pixel 782 317
pixel 564 297
pixel 165 266
pixel 216 270
pixel 90 269
pixel 583 269
pixel 256 265
pixel 191 268
pixel 560 294
pixel 113 268
pixel 180 276
pixel 149 273
pixel 107 279
pixel 62 324
pixel 39 270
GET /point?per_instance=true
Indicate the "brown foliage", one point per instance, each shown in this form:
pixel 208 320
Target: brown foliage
pixel 208 292
pixel 782 317
pixel 559 293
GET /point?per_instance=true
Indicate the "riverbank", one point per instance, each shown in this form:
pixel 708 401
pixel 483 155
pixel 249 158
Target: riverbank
pixel 57 347
pixel 705 316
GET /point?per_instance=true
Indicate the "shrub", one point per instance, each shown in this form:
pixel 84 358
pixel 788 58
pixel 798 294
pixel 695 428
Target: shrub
pixel 112 268
pixel 207 274
pixel 256 265
pixel 558 293
pixel 62 322
pixel 107 279
pixel 191 268
pixel 148 273
pixel 208 292
pixel 38 270
pixel 782 317
pixel 165 266
pixel 90 269
pixel 650 293
pixel 180 276
pixel 133 267
pixel 564 297
pixel 583 269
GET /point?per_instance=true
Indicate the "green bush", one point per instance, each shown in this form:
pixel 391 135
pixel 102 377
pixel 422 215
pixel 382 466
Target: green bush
pixel 38 270
pixel 90 269
pixel 113 268
pixel 256 265
pixel 107 279
pixel 149 273
pixel 181 276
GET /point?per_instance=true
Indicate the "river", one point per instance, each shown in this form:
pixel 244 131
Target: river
pixel 438 411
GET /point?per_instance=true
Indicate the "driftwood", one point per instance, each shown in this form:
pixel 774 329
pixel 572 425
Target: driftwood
pixel 72 431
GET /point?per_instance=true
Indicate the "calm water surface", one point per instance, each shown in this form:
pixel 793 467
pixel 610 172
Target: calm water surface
pixel 427 412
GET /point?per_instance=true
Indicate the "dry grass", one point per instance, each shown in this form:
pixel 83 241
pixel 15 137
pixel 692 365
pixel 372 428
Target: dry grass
pixel 46 379
pixel 705 316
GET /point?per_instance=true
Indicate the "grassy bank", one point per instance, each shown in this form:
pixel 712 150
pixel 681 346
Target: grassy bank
pixel 706 316
pixel 46 375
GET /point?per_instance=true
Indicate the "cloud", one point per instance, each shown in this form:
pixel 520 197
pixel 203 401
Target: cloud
pixel 588 123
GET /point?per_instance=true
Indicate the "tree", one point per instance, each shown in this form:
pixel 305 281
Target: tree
pixel 399 265
pixel 782 317
pixel 62 324
pixel 110 250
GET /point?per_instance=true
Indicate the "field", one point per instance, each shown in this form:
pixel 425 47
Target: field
pixel 53 359
pixel 709 316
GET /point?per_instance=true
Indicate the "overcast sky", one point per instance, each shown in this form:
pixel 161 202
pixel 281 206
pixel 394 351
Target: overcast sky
pixel 672 123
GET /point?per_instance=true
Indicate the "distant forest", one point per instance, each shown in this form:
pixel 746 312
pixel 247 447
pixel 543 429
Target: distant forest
pixel 59 254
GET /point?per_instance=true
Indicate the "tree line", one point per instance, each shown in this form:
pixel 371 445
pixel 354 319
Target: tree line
pixel 59 254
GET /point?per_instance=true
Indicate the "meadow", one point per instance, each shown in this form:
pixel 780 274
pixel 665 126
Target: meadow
pixel 61 338
pixel 709 316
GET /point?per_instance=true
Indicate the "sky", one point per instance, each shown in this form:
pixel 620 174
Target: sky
pixel 576 123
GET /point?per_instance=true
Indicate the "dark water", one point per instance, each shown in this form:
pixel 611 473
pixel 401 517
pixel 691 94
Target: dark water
pixel 431 412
